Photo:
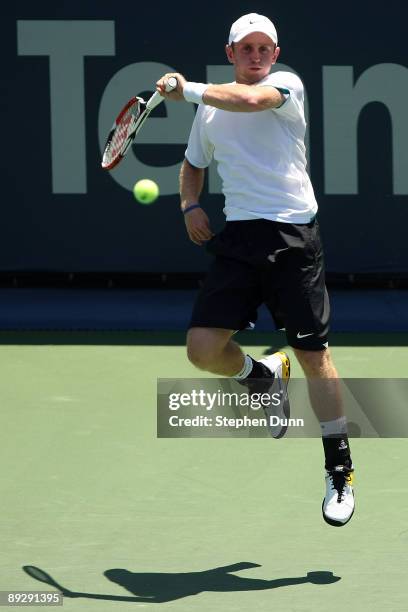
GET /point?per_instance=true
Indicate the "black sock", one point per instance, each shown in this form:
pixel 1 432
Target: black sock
pixel 337 451
pixel 259 370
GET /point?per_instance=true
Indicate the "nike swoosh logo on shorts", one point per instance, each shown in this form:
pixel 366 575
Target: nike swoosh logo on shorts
pixel 299 335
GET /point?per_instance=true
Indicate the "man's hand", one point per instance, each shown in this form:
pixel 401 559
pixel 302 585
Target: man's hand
pixel 198 226
pixel 176 94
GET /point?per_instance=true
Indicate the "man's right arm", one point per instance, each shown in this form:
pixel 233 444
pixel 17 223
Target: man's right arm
pixel 191 184
pixel 196 220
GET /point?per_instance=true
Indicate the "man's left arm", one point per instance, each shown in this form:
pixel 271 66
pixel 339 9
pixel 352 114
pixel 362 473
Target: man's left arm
pixel 242 98
pixel 230 96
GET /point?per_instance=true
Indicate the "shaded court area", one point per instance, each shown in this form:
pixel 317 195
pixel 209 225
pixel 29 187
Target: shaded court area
pixel 117 517
pixel 353 310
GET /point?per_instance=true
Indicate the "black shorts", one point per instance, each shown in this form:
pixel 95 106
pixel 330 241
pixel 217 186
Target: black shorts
pixel 261 261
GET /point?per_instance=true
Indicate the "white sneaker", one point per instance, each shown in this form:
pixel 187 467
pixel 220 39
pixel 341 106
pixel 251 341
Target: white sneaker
pixel 279 366
pixel 338 505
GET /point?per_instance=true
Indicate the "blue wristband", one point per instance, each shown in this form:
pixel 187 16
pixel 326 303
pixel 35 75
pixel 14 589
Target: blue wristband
pixel 191 207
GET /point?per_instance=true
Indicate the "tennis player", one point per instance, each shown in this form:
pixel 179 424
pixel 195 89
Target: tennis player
pixel 270 250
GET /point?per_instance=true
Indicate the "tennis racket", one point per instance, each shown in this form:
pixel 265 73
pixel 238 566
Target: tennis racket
pixel 128 123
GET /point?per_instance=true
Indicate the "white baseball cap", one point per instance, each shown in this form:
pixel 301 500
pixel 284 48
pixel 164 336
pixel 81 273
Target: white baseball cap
pixel 252 23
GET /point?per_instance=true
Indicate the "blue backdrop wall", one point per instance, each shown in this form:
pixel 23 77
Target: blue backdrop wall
pixel 68 66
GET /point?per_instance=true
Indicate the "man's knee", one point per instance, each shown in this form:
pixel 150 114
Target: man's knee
pixel 205 346
pixel 315 363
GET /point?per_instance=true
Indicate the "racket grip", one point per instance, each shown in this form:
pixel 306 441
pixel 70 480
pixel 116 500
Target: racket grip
pixel 171 84
pixel 157 98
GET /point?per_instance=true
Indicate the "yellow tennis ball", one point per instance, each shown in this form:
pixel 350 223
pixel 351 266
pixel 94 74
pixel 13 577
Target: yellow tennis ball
pixel 146 191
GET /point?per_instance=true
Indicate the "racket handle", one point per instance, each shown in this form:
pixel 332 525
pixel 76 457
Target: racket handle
pixel 157 98
pixel 171 84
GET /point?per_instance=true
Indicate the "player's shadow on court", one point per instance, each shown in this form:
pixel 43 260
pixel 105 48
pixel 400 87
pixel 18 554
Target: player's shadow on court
pixel 163 587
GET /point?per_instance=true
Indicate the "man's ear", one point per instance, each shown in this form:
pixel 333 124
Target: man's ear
pixel 276 55
pixel 230 53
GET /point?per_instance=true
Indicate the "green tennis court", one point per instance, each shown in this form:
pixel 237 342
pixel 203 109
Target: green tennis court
pixel 123 519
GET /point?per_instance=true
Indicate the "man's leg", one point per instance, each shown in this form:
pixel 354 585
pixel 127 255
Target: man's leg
pixel 323 383
pixel 326 400
pixel 213 350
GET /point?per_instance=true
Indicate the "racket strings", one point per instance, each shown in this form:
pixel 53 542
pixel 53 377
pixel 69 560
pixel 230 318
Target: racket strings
pixel 121 133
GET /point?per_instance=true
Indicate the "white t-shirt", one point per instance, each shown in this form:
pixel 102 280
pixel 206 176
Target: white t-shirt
pixel 260 155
